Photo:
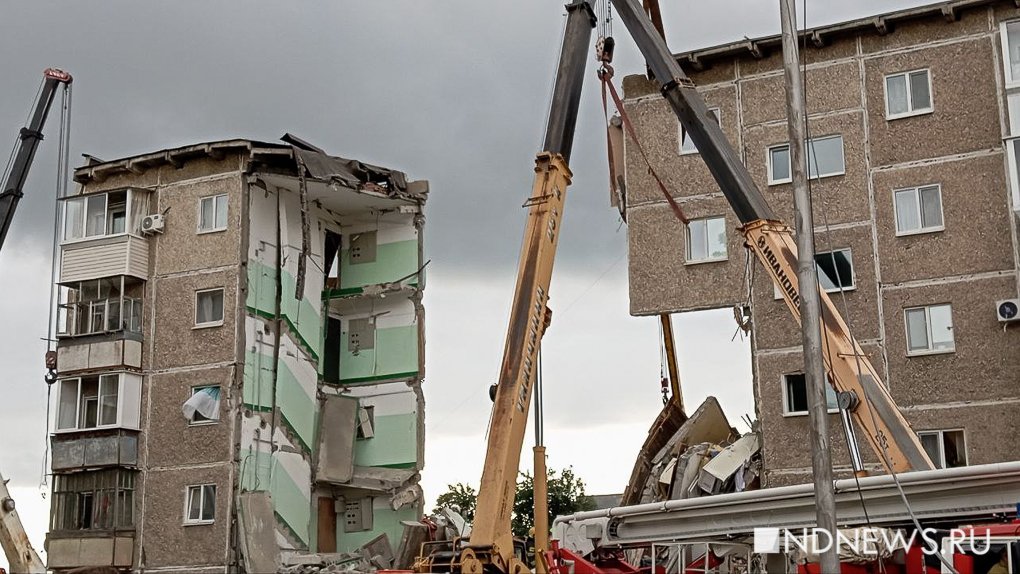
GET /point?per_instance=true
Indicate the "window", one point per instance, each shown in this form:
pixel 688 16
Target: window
pixel 706 240
pixel 99 306
pixel 824 159
pixel 686 145
pixel 204 405
pixel 200 506
pixel 209 308
pixel 835 270
pixel 100 401
pixel 212 213
pixel 918 209
pixel 946 448
pixel 907 94
pixel 796 398
pixel 102 214
pixel 1011 49
pixel 929 329
pixel 93 500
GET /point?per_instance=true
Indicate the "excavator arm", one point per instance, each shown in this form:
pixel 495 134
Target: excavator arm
pixel 850 371
pixel 31 135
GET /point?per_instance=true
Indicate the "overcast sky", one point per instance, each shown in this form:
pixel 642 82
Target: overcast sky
pixel 455 92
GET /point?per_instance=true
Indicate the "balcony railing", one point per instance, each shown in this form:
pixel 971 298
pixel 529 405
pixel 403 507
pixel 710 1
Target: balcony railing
pixel 103 316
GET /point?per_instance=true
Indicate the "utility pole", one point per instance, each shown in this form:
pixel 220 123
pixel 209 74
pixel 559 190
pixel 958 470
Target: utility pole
pixel 807 277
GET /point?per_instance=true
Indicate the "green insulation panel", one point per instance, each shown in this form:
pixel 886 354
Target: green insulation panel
pixel 298 410
pixel 301 316
pixel 395 356
pixel 392 261
pixel 395 444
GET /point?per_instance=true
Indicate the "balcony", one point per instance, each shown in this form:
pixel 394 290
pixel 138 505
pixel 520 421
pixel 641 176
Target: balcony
pixel 92 519
pixel 115 447
pixel 102 236
pixel 99 325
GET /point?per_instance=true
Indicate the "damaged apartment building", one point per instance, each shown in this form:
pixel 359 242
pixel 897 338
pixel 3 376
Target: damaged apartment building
pixel 914 123
pixel 239 366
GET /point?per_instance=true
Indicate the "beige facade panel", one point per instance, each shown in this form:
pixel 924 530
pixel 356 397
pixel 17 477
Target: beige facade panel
pixel 963 94
pixel 763 99
pixel 146 179
pixel 683 174
pixel 975 217
pixel 198 167
pixel 102 355
pixel 775 326
pixel 989 430
pixel 178 341
pixel 661 280
pixel 168 540
pixel 715 73
pixel 835 48
pixel 985 364
pixel 104 257
pixel 837 198
pixel 90 551
pixel 931 30
pixel 183 246
pixel 174 440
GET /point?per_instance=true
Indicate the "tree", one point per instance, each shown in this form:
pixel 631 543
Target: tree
pixel 461 497
pixel 566 496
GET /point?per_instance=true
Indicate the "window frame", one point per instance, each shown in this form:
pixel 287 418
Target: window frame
pixel 226 207
pixel 219 322
pixel 1007 68
pixel 917 195
pixel 853 270
pixel 928 329
pixel 807 149
pixel 133 199
pixel 788 412
pixel 941 434
pixel 122 418
pixel 205 421
pixel 188 521
pixel 118 483
pixel 681 132
pixel 911 111
pixel 687 241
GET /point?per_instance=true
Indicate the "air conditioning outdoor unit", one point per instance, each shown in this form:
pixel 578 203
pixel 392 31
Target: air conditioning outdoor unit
pixel 1007 310
pixel 152 224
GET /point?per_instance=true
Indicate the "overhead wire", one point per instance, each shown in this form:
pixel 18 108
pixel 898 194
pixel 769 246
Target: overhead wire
pixel 849 323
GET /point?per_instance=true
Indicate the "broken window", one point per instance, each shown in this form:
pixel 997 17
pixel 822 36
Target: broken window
pixel 907 94
pixel 835 270
pixel 918 209
pixel 97 402
pixel 824 159
pixel 686 144
pixel 209 307
pixel 946 448
pixel 796 395
pixel 93 500
pixel 212 213
pixel 203 406
pixel 929 329
pixel 100 306
pixel 706 240
pixel 201 504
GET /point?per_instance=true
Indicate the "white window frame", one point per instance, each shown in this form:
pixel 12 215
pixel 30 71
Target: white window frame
pixel 128 399
pixel 1007 68
pixel 807 151
pixel 911 111
pixel 226 206
pixel 941 434
pixel 927 322
pixel 207 324
pixel 681 132
pixel 188 521
pixel 129 217
pixel 784 383
pixel 192 422
pixel 687 242
pixel 917 195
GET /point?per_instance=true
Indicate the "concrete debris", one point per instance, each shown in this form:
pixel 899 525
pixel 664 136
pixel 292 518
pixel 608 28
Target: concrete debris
pixel 257 524
pixel 729 464
pixel 326 564
pixel 406 496
pixel 415 534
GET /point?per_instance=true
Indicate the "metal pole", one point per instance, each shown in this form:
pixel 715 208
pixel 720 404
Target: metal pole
pixel 810 306
pixel 666 320
pixel 540 487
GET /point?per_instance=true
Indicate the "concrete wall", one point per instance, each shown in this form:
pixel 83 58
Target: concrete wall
pixel 972 263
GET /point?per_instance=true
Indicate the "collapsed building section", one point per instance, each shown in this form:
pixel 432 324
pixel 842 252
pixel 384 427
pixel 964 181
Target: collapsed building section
pixel 240 361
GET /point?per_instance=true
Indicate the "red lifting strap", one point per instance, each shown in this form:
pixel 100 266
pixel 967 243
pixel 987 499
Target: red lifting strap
pixel 606 75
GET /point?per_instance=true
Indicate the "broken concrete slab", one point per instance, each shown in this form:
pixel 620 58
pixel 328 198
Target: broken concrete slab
pixel 717 472
pixel 337 432
pixel 415 534
pixel 260 552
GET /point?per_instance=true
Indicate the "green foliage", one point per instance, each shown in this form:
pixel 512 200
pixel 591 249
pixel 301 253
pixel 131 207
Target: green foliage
pixel 566 496
pixel 460 496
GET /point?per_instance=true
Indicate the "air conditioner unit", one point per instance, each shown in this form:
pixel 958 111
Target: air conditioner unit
pixel 152 224
pixel 1007 310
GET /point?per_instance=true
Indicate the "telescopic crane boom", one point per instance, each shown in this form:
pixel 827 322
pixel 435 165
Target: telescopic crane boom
pixel 31 135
